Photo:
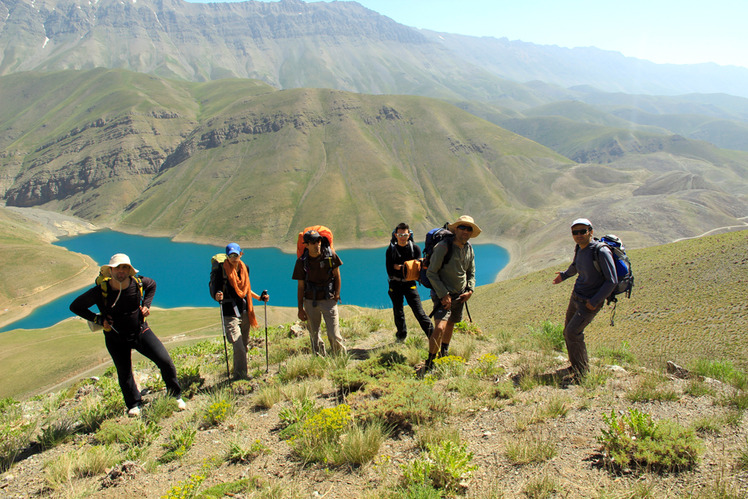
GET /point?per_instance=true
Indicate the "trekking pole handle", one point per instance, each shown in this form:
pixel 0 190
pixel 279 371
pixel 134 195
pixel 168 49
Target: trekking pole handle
pixel 263 294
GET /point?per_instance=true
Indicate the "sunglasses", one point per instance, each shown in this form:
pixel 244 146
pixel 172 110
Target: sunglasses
pixel 233 255
pixel 579 232
pixel 465 227
pixel 402 235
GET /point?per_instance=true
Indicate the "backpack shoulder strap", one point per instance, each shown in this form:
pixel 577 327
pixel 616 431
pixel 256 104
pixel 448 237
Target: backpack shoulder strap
pixel 139 283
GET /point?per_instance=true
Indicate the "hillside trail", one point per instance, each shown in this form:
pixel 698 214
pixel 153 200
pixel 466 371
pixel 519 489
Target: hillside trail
pixel 488 425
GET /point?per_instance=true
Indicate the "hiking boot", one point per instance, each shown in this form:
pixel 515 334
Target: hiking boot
pixel 429 365
pixel 181 404
pixel 444 351
pixel 400 337
pixel 133 412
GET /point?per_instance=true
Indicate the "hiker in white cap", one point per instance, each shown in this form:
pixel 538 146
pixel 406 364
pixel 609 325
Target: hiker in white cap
pixel 452 283
pixel 124 300
pixel 593 285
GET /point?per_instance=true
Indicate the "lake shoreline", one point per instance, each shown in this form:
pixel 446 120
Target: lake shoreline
pixel 58 226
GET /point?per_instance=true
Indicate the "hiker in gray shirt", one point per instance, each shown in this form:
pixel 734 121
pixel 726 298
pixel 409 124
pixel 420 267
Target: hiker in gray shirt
pixel 593 264
pixel 453 284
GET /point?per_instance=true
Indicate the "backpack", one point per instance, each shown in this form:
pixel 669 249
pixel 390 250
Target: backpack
pixel 102 282
pixel 327 251
pixel 623 266
pixel 623 269
pixel 327 247
pixel 434 237
pixel 215 262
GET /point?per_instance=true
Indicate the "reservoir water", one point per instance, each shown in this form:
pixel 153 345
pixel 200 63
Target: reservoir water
pixel 182 270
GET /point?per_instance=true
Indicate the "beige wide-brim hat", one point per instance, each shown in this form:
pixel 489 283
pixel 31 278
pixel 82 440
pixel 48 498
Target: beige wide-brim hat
pixel 116 261
pixel 465 220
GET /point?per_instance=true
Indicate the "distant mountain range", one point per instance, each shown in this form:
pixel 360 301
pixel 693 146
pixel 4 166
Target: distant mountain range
pixel 338 45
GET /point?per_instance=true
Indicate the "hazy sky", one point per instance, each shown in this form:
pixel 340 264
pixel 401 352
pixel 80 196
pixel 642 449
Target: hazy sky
pixel 662 31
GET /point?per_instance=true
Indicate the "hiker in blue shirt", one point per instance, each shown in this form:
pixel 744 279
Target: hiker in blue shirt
pixel 593 264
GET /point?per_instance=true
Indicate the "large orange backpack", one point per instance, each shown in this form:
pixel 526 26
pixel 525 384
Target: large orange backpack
pixel 326 240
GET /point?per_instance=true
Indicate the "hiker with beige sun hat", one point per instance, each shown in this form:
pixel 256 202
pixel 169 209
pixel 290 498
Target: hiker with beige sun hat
pixel 452 283
pixel 124 301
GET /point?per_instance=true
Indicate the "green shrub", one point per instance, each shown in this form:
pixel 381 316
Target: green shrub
pixel 449 366
pixel 697 388
pixel 650 388
pixel 292 417
pixel 190 380
pixel 302 367
pixel 360 326
pixel 743 456
pixel 134 433
pixel 737 399
pixel 385 365
pixel 400 403
pixel 15 432
pixel 550 336
pixel 179 441
pixel 470 329
pixel 540 488
pixel 237 453
pixel 442 466
pixel 620 355
pixel 160 408
pixel 317 437
pixel 57 431
pixel 360 443
pixel 504 389
pixel 724 371
pixel 220 405
pixel 434 435
pixel 267 396
pixel 635 440
pixel 486 367
pixel 78 464
pixel 530 448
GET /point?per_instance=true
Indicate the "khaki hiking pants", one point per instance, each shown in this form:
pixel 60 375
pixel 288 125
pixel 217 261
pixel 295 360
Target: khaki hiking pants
pixel 329 310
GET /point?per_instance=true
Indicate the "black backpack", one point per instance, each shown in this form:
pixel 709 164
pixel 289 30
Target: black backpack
pixel 434 237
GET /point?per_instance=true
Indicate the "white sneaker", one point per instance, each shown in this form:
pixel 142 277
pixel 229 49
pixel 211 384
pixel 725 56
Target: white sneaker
pixel 181 404
pixel 134 412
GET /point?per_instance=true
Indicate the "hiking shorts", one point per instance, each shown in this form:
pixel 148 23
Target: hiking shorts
pixel 453 314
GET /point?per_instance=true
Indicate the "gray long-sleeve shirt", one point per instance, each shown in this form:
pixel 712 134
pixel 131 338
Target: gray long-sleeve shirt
pixel 593 284
pixel 457 275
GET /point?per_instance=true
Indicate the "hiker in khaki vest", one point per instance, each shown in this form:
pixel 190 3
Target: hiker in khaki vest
pixel 236 304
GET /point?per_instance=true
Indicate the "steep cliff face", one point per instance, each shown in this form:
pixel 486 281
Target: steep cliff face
pixel 96 157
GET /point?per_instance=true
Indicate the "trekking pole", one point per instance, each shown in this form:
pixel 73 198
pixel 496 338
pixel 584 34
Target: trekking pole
pixel 223 333
pixel 468 312
pixel 267 357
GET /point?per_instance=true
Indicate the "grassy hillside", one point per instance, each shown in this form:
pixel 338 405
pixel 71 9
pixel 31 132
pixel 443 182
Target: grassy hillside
pixel 689 302
pixel 497 418
pixel 34 271
pixel 360 163
pixel 680 311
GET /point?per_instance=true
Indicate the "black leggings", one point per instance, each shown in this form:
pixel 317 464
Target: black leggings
pixel 399 290
pixel 151 347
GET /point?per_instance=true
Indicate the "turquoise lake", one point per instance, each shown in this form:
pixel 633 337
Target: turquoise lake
pixel 182 270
